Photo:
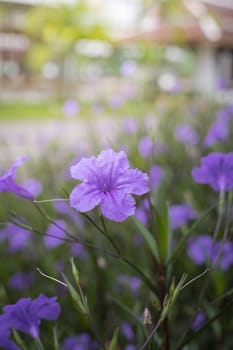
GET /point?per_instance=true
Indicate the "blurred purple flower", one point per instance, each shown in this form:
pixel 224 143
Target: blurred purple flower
pixel 8 184
pixel 21 280
pixel 57 234
pixel 186 134
pixel 26 314
pixel 116 101
pixel 82 341
pixel 216 170
pixel 199 320
pixel 34 186
pixel 200 249
pixel 145 146
pixel 180 214
pixel 77 250
pixel 63 207
pixel 219 130
pixel 127 331
pixel 130 347
pixel 16 236
pixel 70 108
pixel 130 125
pixel 129 91
pixel 142 211
pixel 223 255
pixel 128 68
pixel 156 176
pixel 132 282
pixel 109 182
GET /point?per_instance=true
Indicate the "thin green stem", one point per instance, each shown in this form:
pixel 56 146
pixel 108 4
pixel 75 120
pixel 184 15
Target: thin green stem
pixel 38 344
pixel 148 340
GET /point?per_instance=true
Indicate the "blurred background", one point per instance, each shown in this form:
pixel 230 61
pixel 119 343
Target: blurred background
pixel 95 60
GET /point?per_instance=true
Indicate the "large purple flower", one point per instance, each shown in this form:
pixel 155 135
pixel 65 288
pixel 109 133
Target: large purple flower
pixel 26 314
pixel 109 182
pixel 8 184
pixel 216 170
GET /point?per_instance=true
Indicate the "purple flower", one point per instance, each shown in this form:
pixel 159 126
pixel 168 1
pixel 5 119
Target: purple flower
pixel 130 347
pixel 156 176
pixel 130 125
pixel 57 234
pixel 145 146
pixel 216 170
pixel 77 250
pixel 219 130
pixel 186 134
pixel 180 214
pixel 63 207
pixel 223 255
pixel 109 182
pixel 200 248
pixel 5 342
pixel 8 184
pixel 127 331
pixel 34 186
pixel 128 68
pixel 82 341
pixel 26 314
pixel 17 237
pixel 116 101
pixel 70 108
pixel 199 320
pixel 142 211
pixel 21 281
pixel 132 282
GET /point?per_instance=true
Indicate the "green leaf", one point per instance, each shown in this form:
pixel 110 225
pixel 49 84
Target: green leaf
pixel 74 271
pixel 18 339
pixel 150 240
pixel 76 297
pixel 113 344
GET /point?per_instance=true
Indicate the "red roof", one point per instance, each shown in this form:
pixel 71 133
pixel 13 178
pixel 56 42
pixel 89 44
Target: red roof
pixel 214 25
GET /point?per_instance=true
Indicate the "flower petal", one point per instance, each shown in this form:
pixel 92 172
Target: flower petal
pixel 9 185
pixel 85 197
pixel 113 163
pixel 85 170
pixel 117 206
pixel 134 181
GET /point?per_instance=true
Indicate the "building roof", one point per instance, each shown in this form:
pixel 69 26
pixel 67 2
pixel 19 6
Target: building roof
pixel 202 22
pixel 38 2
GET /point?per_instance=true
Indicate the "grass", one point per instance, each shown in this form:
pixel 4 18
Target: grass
pixel 20 110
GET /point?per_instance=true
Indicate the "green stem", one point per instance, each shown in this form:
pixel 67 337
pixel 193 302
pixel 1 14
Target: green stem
pixel 38 344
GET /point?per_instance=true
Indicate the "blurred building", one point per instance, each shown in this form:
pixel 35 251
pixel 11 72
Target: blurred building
pixel 204 25
pixel 13 42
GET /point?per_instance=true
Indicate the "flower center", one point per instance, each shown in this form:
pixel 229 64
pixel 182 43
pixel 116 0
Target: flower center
pixel 104 188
